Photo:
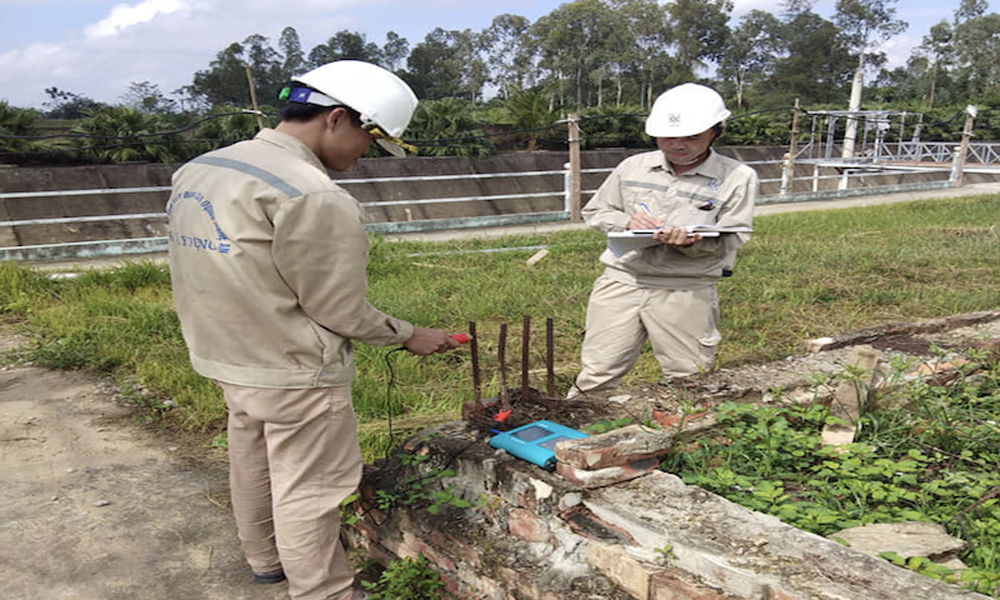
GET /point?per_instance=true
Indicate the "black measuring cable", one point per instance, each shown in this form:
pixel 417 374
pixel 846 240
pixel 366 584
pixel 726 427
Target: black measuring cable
pixel 388 395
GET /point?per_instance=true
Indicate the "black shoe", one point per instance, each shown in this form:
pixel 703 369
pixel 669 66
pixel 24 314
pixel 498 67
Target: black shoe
pixel 272 577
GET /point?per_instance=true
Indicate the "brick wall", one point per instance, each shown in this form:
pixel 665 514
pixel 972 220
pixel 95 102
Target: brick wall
pixel 606 523
pixel 642 534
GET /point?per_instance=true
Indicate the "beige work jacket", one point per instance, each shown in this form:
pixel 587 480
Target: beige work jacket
pixel 268 260
pixel 721 191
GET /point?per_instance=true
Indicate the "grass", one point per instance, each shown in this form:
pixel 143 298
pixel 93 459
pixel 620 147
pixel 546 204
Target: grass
pixel 803 275
pixel 925 451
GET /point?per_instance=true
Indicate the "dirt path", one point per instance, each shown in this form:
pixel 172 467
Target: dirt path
pixel 95 507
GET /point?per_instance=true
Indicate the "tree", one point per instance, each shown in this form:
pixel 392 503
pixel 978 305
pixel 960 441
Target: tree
pixel 394 51
pixel 528 113
pixel 576 39
pixel 16 125
pixel 449 127
pixel 700 33
pixel 147 98
pixel 225 81
pixel 505 49
pixel 977 48
pixel 970 9
pixel 123 134
pixel 224 125
pixel 647 57
pixel 938 48
pixel 67 105
pixel 865 25
pixel 293 58
pixel 344 45
pixel 751 51
pixel 814 65
pixel 447 64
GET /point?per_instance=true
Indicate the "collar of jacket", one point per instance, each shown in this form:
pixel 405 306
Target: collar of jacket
pixel 711 168
pixel 291 144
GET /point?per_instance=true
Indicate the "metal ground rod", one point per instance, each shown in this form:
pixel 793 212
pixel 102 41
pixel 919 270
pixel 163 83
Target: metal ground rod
pixel 502 366
pixel 525 345
pixel 476 382
pixel 550 375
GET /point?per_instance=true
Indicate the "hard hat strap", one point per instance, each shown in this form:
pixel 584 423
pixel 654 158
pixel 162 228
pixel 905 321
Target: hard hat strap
pixel 378 134
pixel 304 95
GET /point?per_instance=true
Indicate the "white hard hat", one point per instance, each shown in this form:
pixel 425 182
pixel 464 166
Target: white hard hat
pixel 381 98
pixel 685 110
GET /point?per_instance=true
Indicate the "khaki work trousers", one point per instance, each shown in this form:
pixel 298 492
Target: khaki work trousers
pixel 681 325
pixel 294 457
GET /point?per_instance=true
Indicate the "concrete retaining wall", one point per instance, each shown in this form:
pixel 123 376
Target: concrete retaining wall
pixel 15 211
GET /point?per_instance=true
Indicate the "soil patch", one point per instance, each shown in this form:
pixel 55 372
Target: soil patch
pixel 98 507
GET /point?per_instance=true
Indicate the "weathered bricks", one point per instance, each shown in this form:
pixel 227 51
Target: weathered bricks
pixel 619 447
pixel 608 475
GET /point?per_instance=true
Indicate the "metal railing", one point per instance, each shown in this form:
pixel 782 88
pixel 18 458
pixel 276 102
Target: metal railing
pixel 841 171
pixel 984 153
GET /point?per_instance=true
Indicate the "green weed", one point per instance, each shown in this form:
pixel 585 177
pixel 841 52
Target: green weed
pixel 407 579
pixel 924 452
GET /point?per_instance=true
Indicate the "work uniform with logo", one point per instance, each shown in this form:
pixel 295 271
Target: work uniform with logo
pixel 268 258
pixel 664 293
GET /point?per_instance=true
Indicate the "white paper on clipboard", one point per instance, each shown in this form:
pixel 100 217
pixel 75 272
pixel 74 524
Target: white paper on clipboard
pixel 622 242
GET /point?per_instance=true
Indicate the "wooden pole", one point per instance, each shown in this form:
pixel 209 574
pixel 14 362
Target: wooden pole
pixel 793 144
pixel 253 97
pixel 574 166
pixel 963 150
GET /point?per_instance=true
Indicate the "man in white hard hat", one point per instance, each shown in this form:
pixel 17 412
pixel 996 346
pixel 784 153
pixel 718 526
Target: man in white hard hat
pixel 666 292
pixel 268 259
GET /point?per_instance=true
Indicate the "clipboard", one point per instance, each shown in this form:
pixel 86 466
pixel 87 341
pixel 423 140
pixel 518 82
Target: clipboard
pixel 622 242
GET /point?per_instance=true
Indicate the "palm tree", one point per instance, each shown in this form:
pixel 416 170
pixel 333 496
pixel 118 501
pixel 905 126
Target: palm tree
pixel 529 112
pixel 123 134
pixel 17 126
pixel 450 126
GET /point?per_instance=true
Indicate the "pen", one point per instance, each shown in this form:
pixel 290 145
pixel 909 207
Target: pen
pixel 646 210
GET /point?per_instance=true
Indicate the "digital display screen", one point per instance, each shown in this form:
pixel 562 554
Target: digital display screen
pixel 532 433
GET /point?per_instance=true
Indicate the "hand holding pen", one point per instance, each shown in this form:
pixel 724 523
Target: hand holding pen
pixel 671 236
pixel 644 219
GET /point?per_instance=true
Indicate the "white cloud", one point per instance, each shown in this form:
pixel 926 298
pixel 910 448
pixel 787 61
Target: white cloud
pixel 123 16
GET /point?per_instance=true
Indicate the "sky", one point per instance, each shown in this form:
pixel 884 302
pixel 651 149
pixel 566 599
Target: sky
pixel 96 48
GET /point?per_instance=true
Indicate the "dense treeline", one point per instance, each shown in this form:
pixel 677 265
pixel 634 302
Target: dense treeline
pixel 509 85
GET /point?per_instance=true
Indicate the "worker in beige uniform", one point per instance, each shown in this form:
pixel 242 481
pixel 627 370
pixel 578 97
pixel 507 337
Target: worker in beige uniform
pixel 666 292
pixel 268 260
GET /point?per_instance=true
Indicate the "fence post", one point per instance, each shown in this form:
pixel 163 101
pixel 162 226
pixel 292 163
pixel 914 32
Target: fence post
pixel 959 166
pixel 786 172
pixel 573 190
pixel 567 178
pixel 953 178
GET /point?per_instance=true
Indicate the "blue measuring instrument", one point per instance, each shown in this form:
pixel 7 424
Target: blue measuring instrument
pixel 536 442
